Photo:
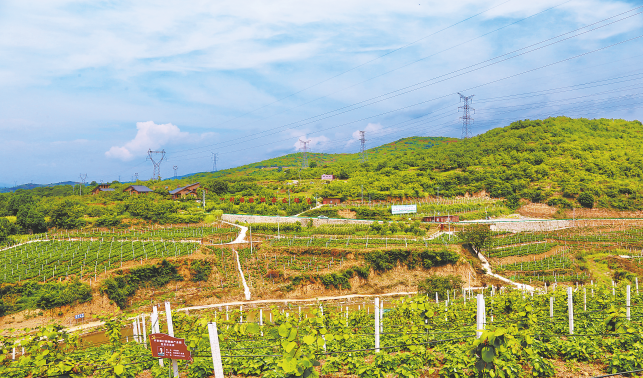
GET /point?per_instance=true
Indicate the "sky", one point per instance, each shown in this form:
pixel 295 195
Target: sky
pixel 89 87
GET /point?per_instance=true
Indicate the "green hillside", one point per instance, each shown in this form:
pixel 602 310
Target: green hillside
pixel 560 161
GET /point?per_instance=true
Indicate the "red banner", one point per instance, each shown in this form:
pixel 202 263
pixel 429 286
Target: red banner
pixel 166 346
pixel 274 200
pixel 284 200
pixel 309 201
pixel 231 199
pixel 296 200
pixel 263 199
pixel 251 200
pixel 221 199
pixel 242 200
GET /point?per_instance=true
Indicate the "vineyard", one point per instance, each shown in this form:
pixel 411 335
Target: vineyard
pixel 221 232
pixel 500 333
pixel 49 260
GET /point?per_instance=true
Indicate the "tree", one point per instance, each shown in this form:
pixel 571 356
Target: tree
pixel 586 200
pixel 477 236
pixel 312 164
pixel 5 228
pixel 31 219
pixel 217 187
pixel 18 201
pixel 67 215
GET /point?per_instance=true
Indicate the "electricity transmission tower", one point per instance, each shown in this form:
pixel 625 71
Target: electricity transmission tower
pixel 157 163
pixel 175 168
pixel 214 162
pixel 362 139
pixel 466 118
pixel 304 161
pixel 83 177
pixel 136 177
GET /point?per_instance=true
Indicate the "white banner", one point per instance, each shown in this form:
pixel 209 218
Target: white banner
pixel 404 209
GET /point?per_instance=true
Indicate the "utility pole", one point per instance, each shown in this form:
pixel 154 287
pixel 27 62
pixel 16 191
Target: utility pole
pixel 214 162
pixel 136 177
pixel 362 139
pixel 83 177
pixel 156 175
pixel 175 168
pixel 466 117
pixel 304 161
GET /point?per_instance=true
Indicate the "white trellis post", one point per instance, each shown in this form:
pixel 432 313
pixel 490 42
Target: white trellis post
pixel 382 316
pixel 570 309
pixel 144 331
pixel 154 319
pixel 551 308
pixel 215 350
pixel 377 325
pixel 480 315
pixel 627 303
pixel 170 331
pixel 636 280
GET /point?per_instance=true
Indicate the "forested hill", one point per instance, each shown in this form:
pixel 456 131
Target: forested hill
pixel 554 160
pixel 560 161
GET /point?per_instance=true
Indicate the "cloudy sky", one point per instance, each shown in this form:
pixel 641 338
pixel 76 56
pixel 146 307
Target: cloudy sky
pixel 91 86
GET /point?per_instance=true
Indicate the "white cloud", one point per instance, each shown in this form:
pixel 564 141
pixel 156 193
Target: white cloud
pixel 149 136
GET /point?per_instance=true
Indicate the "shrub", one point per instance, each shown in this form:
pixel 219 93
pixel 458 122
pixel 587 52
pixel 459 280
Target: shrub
pixel 440 285
pixel 383 261
pixel 586 200
pixel 125 284
pixel 200 270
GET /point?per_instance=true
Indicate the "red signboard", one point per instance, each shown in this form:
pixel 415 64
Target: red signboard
pixel 166 346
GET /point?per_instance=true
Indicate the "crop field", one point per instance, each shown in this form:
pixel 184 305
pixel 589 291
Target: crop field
pixel 522 250
pixel 549 263
pixel 411 337
pixel 359 242
pixel 50 260
pixel 223 232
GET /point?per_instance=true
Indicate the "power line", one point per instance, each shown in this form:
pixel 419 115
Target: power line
pixel 390 71
pixel 466 117
pixel 373 60
pixel 471 68
pixel 214 162
pixel 156 175
pixel 362 139
pixel 304 159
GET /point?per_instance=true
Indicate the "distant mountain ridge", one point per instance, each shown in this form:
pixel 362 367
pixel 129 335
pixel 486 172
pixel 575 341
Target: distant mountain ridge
pixel 32 186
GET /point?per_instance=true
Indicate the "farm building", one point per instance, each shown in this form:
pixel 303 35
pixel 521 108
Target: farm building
pixel 441 218
pixel 101 188
pixel 188 190
pixel 332 201
pixel 137 189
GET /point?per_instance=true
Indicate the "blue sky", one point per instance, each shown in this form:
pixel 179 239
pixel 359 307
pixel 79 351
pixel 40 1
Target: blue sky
pixel 90 86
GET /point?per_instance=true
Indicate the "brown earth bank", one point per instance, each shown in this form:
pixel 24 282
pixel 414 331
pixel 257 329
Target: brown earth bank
pixel 541 210
pixel 187 293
